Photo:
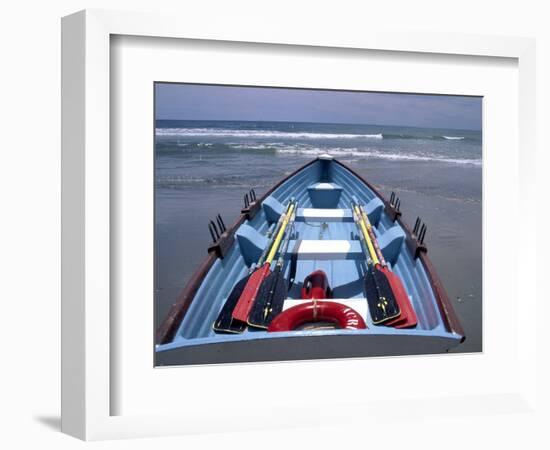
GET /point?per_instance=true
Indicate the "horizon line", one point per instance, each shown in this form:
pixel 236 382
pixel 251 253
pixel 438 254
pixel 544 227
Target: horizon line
pixel 324 123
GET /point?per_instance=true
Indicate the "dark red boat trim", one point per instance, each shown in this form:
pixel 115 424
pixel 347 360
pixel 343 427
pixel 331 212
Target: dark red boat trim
pixel 446 308
pixel 165 333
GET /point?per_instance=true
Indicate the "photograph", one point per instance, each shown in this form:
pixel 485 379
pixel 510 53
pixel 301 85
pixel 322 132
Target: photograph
pixel 298 223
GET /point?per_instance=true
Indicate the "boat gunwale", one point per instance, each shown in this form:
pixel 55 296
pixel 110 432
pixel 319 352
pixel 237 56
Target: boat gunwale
pixel 168 328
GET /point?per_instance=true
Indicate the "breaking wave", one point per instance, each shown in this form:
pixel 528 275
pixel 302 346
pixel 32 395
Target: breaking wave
pixel 304 149
pixel 220 132
pixel 365 154
pixel 186 133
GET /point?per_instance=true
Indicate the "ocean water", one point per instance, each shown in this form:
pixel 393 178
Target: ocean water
pixel 205 167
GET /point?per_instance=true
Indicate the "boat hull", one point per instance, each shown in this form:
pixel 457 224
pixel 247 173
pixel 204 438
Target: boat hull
pixel 324 240
pixel 291 347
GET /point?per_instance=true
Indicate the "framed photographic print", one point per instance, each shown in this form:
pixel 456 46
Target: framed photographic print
pixel 261 212
pixel 319 263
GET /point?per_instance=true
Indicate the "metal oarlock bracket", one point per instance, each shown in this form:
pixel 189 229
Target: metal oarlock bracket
pixel 393 207
pixel 221 239
pixel 251 205
pixel 416 240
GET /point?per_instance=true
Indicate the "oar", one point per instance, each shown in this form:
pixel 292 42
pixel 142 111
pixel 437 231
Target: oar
pixel 250 291
pixel 407 318
pixel 273 291
pixel 380 298
pixel 225 323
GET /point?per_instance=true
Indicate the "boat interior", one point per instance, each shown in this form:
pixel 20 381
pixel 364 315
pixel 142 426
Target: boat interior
pixel 323 237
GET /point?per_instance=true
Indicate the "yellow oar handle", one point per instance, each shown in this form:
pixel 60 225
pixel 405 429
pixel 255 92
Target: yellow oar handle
pixel 373 238
pixel 280 234
pixel 372 252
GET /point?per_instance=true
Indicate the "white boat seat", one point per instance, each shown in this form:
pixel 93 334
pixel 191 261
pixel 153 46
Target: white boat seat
pixel 325 186
pixel 252 243
pixel 324 215
pixel 325 249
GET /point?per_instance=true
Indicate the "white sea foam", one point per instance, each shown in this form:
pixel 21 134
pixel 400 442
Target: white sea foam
pixel 365 154
pixel 218 132
pixel 453 138
pixel 256 146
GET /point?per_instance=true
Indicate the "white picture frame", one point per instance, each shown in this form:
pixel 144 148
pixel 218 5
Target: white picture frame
pixel 87 321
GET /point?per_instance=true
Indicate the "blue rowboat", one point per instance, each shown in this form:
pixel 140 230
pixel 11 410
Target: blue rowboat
pixel 324 238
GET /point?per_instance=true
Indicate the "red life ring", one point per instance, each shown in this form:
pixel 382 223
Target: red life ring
pixel 341 315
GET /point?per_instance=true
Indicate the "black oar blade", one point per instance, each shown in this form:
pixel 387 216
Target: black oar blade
pixel 225 322
pixel 380 298
pixel 269 301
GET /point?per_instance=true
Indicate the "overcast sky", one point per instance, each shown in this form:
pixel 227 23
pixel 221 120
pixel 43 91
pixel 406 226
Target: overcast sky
pixel 203 102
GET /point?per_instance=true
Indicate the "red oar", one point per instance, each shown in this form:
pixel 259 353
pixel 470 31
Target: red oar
pixel 407 318
pixel 224 322
pixel 273 291
pixel 381 301
pixel 250 291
